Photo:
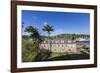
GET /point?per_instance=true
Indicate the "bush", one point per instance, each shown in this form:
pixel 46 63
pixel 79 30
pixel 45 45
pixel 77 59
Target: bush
pixel 29 51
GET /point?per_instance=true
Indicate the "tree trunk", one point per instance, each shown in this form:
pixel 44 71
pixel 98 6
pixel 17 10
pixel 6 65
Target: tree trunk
pixel 49 42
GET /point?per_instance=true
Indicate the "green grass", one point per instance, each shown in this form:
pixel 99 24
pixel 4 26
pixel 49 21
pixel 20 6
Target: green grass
pixel 70 57
pixel 55 54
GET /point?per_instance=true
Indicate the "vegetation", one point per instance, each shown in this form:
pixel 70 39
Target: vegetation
pixel 31 51
pixel 34 34
pixel 69 36
pixel 30 48
pixel 30 45
pixel 72 36
pixel 47 28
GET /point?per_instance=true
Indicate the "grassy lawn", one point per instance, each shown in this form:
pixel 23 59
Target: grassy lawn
pixel 55 54
pixel 62 56
pixel 70 57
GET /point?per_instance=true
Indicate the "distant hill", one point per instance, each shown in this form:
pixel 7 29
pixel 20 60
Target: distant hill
pixel 69 36
pixel 64 36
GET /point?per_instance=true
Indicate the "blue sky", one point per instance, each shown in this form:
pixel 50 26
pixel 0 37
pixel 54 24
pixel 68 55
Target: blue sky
pixel 62 22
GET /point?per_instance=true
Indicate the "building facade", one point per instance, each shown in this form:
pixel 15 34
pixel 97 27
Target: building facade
pixel 59 45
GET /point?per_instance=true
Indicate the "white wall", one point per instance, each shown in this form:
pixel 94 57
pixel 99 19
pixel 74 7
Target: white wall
pixel 5 36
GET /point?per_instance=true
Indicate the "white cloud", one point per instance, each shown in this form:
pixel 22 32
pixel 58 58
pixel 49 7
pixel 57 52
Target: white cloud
pixel 45 23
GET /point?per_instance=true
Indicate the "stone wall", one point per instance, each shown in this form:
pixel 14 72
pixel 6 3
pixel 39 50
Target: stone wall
pixel 69 47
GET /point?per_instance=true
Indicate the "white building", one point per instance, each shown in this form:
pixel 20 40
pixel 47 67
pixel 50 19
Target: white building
pixel 59 45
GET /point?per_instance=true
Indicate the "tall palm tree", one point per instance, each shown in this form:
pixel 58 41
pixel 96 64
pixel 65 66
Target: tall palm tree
pixel 34 47
pixel 34 34
pixel 47 28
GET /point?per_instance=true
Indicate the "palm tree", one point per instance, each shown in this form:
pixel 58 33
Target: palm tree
pixel 33 46
pixel 34 34
pixel 47 28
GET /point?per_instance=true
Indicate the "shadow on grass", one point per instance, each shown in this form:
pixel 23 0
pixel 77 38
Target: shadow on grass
pixel 71 57
pixel 44 55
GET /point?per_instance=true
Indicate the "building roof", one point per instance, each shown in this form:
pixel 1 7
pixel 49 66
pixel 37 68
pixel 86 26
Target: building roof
pixel 58 41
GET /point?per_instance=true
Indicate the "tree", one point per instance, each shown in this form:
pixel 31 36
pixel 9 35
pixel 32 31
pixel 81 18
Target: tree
pixel 47 28
pixel 34 34
pixel 31 49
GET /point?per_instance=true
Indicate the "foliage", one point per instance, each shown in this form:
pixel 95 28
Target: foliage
pixel 29 51
pixel 34 34
pixel 48 29
pixel 30 44
pixel 32 52
pixel 71 36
